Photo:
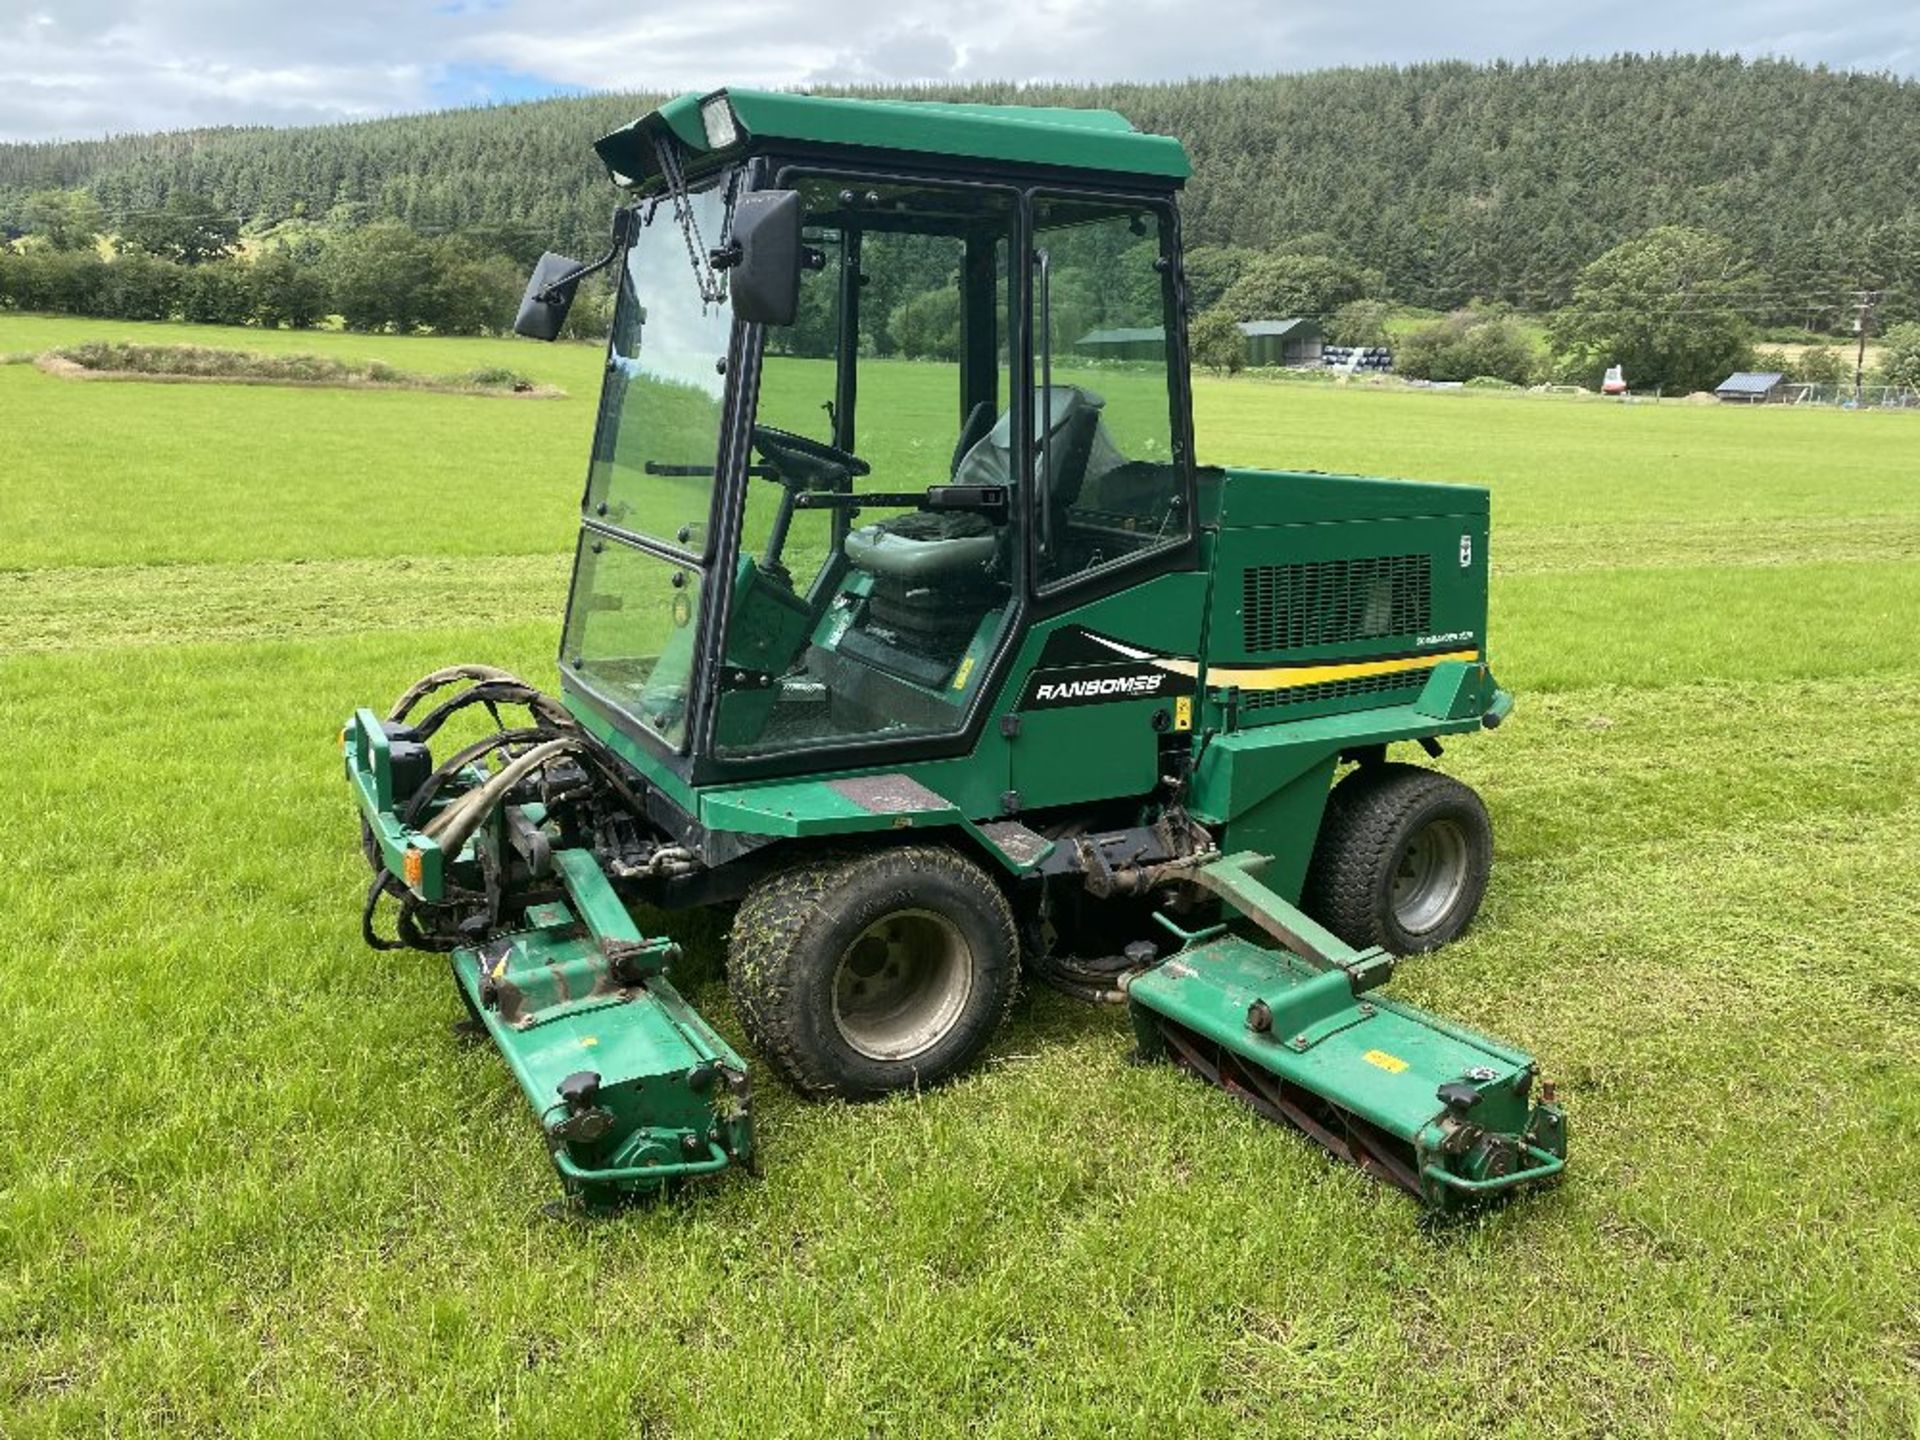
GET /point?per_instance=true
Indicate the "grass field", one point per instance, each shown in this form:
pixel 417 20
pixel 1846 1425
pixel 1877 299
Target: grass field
pixel 253 1185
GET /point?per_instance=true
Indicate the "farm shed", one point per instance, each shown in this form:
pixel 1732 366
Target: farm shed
pixel 1752 387
pixel 1140 343
pixel 1269 342
pixel 1283 342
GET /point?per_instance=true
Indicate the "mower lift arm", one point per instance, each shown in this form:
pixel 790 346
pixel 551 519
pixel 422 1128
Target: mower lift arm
pixel 1232 879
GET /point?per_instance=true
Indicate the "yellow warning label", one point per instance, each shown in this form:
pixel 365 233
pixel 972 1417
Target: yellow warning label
pixel 1390 1063
pixel 589 1039
pixel 1183 712
pixel 960 675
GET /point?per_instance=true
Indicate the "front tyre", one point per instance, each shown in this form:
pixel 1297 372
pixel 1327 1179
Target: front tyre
pixel 857 975
pixel 1401 860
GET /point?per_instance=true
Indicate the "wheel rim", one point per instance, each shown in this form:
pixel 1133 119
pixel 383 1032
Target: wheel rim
pixel 1430 877
pixel 902 984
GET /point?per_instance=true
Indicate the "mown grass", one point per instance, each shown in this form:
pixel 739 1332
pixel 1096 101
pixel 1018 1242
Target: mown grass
pixel 255 1186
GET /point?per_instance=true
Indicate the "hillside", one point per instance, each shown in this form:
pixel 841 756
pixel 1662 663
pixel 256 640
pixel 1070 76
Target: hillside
pixel 1452 180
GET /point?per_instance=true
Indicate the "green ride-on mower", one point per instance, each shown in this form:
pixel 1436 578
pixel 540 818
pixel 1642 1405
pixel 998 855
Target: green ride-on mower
pixel 904 616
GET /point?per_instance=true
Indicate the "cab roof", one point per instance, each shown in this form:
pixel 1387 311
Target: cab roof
pixel 1058 138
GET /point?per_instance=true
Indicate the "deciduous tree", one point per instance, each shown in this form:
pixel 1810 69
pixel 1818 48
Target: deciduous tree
pixel 216 294
pixel 1280 287
pixel 1211 271
pixel 1360 322
pixel 1669 307
pixel 189 230
pixel 927 326
pixel 1216 342
pixel 65 219
pixel 1471 342
pixel 1900 355
pixel 139 286
pixel 382 278
pixel 286 292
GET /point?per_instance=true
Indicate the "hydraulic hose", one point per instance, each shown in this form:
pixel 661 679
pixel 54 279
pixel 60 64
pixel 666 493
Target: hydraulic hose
pixel 439 679
pixel 495 686
pixel 1080 983
pixel 452 827
pixel 409 935
pixel 491 693
pixel 552 734
pixel 525 735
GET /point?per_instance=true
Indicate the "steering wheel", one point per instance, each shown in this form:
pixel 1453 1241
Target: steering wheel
pixel 806 463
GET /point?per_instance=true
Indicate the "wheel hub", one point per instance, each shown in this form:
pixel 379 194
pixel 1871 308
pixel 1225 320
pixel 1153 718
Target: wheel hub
pixel 902 984
pixel 1430 877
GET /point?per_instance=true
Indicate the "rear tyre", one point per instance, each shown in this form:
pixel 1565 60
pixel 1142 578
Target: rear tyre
pixel 857 975
pixel 1402 859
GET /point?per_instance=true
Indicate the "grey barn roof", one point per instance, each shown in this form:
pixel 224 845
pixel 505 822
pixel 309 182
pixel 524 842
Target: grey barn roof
pixel 1123 336
pixel 1278 327
pixel 1249 328
pixel 1749 382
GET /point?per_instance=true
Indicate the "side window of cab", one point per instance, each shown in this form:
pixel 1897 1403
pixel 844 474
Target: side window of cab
pixel 1110 480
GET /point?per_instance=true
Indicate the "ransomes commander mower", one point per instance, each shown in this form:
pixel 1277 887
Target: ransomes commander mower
pixel 904 617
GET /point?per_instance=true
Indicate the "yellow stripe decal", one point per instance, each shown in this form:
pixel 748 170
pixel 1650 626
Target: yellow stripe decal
pixel 1287 677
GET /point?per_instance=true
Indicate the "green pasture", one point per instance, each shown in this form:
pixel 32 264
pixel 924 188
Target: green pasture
pixel 253 1185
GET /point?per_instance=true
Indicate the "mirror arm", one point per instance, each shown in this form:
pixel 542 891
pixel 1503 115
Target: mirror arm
pixel 622 225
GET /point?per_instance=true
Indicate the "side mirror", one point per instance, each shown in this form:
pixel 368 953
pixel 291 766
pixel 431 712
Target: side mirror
pixel 764 255
pixel 544 306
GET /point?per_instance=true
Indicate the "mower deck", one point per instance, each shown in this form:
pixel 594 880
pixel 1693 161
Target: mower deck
pixel 633 1089
pixel 1433 1107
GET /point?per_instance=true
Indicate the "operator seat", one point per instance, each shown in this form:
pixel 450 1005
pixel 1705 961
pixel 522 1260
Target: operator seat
pixel 925 548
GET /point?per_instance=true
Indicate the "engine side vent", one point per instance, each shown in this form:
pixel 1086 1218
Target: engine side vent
pixel 1330 602
pixel 1405 684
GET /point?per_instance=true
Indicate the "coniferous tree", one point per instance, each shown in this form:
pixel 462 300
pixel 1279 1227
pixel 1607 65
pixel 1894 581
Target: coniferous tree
pixel 1450 180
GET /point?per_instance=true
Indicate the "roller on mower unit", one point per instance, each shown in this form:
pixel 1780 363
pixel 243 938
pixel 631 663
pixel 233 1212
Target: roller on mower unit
pixel 948 670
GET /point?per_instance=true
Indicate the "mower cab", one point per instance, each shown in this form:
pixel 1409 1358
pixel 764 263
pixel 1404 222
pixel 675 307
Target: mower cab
pixel 901 613
pixel 805 544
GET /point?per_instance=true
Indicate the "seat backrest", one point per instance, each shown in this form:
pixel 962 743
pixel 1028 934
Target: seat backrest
pixel 1067 451
pixel 979 422
pixel 1075 416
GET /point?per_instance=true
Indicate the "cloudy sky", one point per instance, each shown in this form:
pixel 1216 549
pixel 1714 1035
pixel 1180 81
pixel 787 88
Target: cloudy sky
pixel 88 67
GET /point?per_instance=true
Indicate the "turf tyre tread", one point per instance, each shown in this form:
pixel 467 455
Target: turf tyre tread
pixel 1370 817
pixel 787 938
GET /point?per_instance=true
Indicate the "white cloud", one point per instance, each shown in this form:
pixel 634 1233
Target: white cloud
pixel 86 67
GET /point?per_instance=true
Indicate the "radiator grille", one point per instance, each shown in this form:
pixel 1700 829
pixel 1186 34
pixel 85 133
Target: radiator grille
pixel 1330 602
pixel 1407 681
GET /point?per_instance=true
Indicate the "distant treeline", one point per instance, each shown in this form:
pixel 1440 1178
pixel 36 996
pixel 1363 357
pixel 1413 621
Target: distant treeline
pixel 1450 181
pixel 186 261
